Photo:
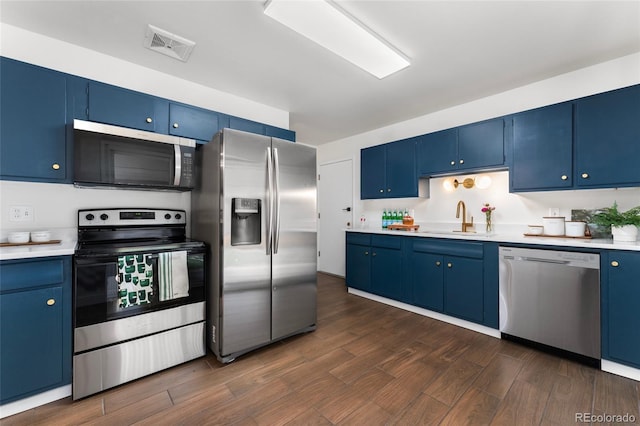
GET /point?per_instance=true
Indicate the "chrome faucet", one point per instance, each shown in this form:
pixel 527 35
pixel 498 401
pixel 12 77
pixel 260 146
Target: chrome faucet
pixel 465 224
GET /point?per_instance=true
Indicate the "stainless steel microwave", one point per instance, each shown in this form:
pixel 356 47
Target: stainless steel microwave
pixel 106 155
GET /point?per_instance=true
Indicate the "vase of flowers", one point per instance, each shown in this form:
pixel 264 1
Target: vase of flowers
pixel 487 209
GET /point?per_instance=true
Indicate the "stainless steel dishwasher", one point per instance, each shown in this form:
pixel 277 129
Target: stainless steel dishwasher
pixel 551 297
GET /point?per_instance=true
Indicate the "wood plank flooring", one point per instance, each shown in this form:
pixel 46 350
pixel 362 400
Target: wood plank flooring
pixel 366 364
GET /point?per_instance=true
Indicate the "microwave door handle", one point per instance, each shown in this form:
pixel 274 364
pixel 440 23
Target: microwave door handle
pixel 178 169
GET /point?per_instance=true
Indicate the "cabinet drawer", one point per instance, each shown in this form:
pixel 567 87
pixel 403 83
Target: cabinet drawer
pixel 386 242
pixel 20 274
pixel 448 247
pixel 361 239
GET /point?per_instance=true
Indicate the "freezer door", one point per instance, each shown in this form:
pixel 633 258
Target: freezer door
pixel 294 259
pixel 245 293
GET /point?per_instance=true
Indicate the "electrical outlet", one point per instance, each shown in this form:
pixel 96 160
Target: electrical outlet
pixel 20 213
pixel 554 211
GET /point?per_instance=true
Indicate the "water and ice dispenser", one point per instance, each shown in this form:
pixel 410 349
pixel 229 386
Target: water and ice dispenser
pixel 245 221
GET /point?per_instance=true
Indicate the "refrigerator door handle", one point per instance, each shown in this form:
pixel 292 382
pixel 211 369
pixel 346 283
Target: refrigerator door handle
pixel 276 233
pixel 269 201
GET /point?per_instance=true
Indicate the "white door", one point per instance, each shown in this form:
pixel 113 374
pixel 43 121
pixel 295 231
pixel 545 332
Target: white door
pixel 335 198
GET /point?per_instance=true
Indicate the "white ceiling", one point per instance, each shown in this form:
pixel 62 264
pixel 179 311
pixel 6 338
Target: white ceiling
pixel 460 51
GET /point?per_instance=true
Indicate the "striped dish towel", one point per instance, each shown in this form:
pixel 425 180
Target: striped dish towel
pixel 173 280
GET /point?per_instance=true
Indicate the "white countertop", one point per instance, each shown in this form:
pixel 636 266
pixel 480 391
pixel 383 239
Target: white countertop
pixel 66 246
pixel 509 238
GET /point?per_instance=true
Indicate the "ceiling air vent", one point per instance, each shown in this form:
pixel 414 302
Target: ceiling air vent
pixel 168 44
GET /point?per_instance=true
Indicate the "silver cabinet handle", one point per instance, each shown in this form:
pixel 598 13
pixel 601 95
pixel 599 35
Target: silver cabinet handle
pixel 461 161
pixel 175 125
pixel 453 163
pixel 366 253
pixel 449 265
pixel 438 263
pixel 149 120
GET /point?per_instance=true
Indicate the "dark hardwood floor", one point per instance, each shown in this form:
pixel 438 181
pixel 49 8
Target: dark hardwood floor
pixel 366 364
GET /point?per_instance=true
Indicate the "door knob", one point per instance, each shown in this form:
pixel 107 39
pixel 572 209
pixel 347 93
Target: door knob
pixel 176 125
pixel 51 302
pixel 615 263
pixel 564 177
pixel 585 175
pixel 348 209
pixel 55 166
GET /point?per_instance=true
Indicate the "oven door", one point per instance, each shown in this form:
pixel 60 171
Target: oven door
pixel 110 287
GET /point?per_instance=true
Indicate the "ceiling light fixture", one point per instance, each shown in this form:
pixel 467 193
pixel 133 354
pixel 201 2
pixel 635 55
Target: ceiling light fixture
pixel 326 24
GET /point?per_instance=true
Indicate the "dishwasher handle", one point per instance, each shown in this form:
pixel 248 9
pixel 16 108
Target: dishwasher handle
pixel 538 259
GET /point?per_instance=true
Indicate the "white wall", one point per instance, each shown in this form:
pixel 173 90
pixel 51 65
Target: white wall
pixel 55 206
pixel 515 210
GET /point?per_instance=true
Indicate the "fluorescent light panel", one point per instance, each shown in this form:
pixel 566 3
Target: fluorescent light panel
pixel 332 28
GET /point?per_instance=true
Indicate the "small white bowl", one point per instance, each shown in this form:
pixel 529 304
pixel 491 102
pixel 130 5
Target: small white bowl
pixel 536 229
pixel 18 237
pixel 40 236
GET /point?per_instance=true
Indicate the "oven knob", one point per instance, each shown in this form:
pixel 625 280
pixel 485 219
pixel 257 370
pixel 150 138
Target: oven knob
pixel 167 216
pixel 89 217
pixel 104 216
pixel 178 216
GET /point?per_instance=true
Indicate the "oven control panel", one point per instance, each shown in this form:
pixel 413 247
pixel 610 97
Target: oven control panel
pixel 133 217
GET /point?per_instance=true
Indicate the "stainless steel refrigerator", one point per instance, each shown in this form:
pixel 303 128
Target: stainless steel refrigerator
pixel 255 204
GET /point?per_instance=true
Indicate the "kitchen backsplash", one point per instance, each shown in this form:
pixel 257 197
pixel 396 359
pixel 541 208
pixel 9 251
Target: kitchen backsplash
pixel 514 211
pixel 55 206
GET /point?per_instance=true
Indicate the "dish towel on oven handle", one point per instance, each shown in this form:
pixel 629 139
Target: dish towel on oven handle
pixel 173 281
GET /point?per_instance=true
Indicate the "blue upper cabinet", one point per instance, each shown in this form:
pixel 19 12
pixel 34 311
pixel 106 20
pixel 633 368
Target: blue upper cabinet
pixel 114 105
pixel 438 152
pixel 389 170
pixel 542 156
pixel 481 145
pixel 33 113
pixel 607 141
pixel 477 146
pixel 192 122
pixel 246 125
pixel 277 132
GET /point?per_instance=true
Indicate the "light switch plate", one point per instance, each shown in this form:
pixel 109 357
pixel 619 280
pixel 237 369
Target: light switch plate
pixel 554 211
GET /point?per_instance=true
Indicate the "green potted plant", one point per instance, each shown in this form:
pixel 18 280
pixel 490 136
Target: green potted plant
pixel 624 225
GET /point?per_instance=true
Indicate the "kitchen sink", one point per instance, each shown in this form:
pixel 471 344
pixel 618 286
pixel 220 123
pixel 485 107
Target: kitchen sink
pixel 470 234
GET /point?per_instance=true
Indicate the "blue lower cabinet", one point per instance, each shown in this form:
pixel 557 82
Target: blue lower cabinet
pixel 620 272
pixel 428 279
pixel 35 326
pixel 455 278
pixel 376 264
pixel 386 267
pixel 358 267
pixel 463 288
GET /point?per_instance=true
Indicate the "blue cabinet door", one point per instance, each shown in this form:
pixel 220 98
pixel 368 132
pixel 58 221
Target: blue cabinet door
pixel 607 139
pixel 115 105
pixel 543 149
pixel 428 281
pixel 401 177
pixel 438 152
pixel 481 144
pixel 463 288
pixel 358 267
pixel 373 180
pixel 386 276
pixel 33 133
pixel 35 326
pixel 621 307
pixel 193 123
pixel 32 355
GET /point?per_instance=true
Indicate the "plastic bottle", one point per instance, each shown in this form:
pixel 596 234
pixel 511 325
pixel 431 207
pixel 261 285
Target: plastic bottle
pixel 384 219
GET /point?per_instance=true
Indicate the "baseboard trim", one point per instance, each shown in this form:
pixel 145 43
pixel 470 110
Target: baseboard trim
pixel 34 401
pixel 620 370
pixel 427 313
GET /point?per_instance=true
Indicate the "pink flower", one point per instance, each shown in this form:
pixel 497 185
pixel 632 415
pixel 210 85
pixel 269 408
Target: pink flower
pixel 487 208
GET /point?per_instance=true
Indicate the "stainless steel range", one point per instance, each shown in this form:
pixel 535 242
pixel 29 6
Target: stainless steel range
pixel 138 296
